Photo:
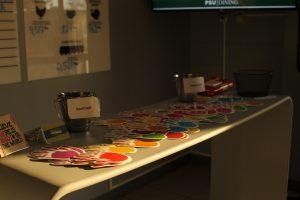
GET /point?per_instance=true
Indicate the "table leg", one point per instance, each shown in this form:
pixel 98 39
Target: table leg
pixel 251 161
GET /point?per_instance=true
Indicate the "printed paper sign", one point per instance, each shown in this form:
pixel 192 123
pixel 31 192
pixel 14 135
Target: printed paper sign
pixel 86 107
pixel 66 37
pixel 193 85
pixel 10 71
pixel 11 137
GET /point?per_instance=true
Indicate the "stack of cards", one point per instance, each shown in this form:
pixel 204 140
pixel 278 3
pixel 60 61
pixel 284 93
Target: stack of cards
pixel 138 143
pixel 111 148
pixel 56 153
pixel 96 159
pixel 144 129
pixel 74 156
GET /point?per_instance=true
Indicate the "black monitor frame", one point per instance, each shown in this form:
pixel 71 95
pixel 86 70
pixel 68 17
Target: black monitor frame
pixel 298 42
pixel 223 11
pixel 229 9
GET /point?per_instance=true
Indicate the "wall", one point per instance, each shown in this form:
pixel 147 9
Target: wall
pixel 254 40
pixel 147 48
pixel 206 43
pixel 291 82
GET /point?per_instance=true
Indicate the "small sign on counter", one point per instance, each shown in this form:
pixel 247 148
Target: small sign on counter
pixel 193 84
pixel 81 108
pixel 11 136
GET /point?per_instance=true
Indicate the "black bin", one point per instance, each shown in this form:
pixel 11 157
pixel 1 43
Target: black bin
pixel 253 83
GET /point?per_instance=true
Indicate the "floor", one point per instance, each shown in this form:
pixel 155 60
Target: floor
pixel 294 190
pixel 186 179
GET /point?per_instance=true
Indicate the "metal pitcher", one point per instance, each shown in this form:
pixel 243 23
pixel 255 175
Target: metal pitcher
pixel 61 105
pixel 182 93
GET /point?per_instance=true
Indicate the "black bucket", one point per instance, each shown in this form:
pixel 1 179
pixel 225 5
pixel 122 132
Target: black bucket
pixel 253 83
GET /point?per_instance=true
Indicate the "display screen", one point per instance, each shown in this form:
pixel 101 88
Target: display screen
pixel 222 4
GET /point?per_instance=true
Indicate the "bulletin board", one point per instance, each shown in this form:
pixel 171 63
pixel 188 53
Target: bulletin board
pixel 10 71
pixel 66 37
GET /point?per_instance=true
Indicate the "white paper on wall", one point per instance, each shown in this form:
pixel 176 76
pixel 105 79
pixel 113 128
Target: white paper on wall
pixel 66 37
pixel 10 71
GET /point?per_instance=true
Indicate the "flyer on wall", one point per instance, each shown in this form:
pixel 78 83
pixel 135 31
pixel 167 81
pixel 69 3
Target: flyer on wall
pixel 10 71
pixel 66 37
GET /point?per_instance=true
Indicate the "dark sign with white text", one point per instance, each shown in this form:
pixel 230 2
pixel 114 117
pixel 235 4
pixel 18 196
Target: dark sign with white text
pixel 222 4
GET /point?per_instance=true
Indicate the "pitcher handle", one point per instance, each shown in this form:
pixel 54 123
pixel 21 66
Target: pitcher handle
pixel 58 111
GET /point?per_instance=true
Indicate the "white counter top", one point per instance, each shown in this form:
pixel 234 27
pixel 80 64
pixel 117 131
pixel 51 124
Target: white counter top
pixel 67 180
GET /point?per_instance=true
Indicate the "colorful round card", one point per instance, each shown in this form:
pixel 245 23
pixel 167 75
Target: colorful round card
pixel 225 110
pixel 146 144
pixel 176 135
pixel 157 128
pixel 122 149
pixel 240 108
pixel 220 119
pixel 111 148
pixel 63 154
pixel 196 112
pixel 152 136
pixel 211 111
pixel 110 160
pixel 253 103
pixel 151 120
pixel 177 129
pixel 187 124
pixel 193 130
pixel 115 157
pixel 56 153
pixel 204 122
pixel 194 118
pixel 174 116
